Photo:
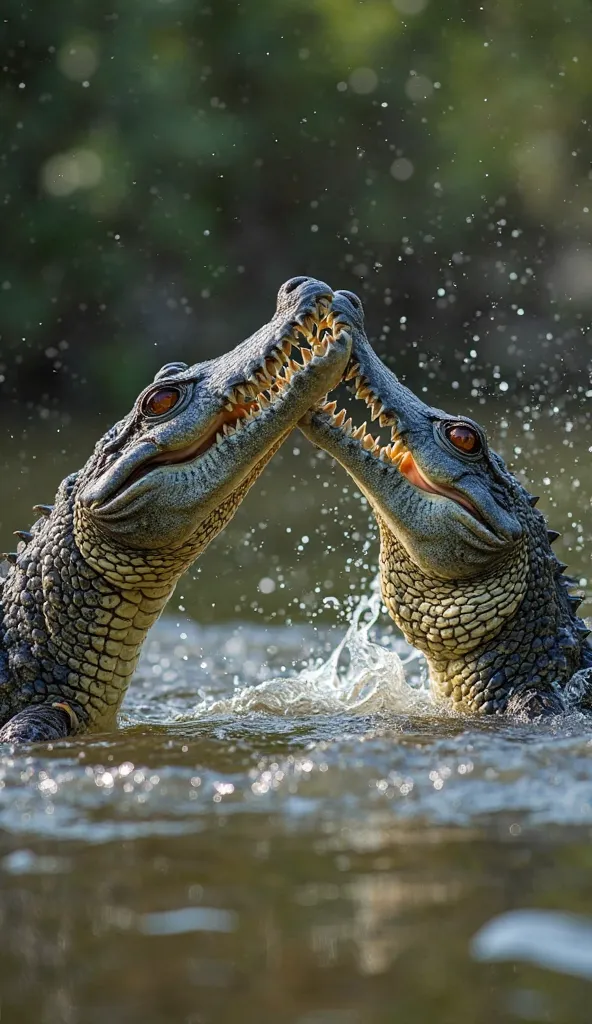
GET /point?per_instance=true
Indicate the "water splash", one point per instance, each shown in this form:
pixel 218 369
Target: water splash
pixel 360 677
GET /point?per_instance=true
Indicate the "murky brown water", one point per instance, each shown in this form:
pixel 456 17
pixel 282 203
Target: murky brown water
pixel 323 850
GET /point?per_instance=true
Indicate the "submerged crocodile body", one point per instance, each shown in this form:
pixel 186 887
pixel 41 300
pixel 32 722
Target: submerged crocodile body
pixel 96 570
pixel 466 563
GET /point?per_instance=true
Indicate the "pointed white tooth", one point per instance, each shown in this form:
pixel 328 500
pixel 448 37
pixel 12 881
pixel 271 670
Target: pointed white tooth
pixel 306 355
pixel 340 418
pixel 353 372
pixel 229 406
pixel 264 402
pixel 361 431
pixel 385 419
pixel 368 442
pixel 286 346
pixel 293 366
pixel 219 438
pixel 348 427
pixel 376 410
pixel 330 408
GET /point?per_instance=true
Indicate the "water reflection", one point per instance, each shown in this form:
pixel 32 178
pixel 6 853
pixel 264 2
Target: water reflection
pixel 547 938
pixel 286 828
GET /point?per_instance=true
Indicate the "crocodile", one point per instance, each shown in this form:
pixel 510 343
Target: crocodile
pixel 466 564
pixel 98 566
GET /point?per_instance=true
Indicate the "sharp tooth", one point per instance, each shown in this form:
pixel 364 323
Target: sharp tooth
pixel 340 418
pixel 386 420
pixel 353 372
pixel 376 409
pixel 264 402
pixel 306 355
pixel 229 406
pixel 368 442
pixel 330 408
pixel 360 432
pixel 270 368
pixel 219 438
pixel 286 346
pixel 293 366
pixel 348 427
pixel 364 392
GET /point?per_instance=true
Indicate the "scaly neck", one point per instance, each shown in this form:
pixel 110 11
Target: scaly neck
pixel 489 639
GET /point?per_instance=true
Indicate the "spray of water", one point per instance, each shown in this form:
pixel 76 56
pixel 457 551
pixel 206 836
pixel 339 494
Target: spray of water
pixel 360 677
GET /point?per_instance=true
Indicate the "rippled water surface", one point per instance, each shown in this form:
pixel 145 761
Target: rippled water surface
pixel 287 829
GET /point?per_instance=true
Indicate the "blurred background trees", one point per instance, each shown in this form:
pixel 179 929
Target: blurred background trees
pixel 165 164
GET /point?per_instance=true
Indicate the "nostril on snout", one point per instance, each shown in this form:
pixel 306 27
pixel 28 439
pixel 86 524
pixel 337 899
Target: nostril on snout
pixel 353 298
pixel 293 283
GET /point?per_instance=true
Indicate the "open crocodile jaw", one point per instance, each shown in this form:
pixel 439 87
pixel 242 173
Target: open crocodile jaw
pixel 249 400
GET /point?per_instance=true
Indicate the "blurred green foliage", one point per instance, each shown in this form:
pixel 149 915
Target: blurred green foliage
pixel 165 164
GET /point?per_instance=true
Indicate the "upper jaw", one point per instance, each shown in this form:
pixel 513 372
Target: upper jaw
pixel 378 467
pixel 302 354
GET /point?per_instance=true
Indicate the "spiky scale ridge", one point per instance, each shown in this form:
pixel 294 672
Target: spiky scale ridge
pixel 501 634
pixel 24 535
pixel 96 569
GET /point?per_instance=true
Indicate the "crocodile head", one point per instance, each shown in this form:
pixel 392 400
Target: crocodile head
pixel 166 479
pixel 466 563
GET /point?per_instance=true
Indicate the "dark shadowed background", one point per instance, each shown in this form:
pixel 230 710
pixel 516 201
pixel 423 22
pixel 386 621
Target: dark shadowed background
pixel 165 164
pixel 329 857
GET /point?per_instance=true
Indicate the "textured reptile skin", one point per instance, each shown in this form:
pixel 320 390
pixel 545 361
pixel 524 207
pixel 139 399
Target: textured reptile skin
pixel 466 564
pixel 95 572
pixel 77 608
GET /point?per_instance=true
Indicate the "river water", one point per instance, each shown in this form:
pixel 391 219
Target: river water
pixel 286 828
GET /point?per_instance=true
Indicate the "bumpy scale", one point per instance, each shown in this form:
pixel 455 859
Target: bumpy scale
pixel 466 563
pixel 96 570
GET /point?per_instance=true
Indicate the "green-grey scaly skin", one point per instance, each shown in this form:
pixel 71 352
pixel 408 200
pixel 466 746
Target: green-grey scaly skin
pixel 467 568
pixel 96 570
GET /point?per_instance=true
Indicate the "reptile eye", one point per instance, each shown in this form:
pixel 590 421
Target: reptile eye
pixel 160 402
pixel 464 438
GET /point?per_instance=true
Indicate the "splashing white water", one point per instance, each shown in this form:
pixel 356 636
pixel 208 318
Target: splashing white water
pixel 360 677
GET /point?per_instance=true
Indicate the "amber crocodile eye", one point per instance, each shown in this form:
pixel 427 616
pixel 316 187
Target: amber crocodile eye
pixel 160 402
pixel 464 438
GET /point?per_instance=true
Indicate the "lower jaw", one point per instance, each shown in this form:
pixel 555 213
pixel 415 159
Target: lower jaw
pixel 405 466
